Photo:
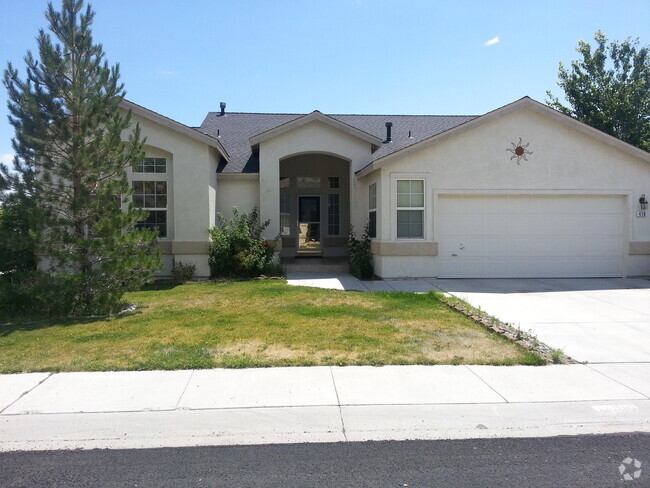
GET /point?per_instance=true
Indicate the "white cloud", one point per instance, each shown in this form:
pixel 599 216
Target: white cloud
pixel 493 41
pixel 7 159
pixel 167 73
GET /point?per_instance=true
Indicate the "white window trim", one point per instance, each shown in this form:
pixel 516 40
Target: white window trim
pixel 423 208
pixel 373 209
pixel 338 234
pixel 167 177
pixel 151 172
pixel 287 214
pixel 160 209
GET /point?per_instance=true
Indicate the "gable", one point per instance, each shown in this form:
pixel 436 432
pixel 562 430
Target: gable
pixel 553 117
pixel 560 156
pixel 317 137
pixel 311 118
pixel 156 122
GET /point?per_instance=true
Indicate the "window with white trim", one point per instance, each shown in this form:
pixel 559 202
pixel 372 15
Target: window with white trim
pixel 152 196
pixel 151 165
pixel 285 214
pixel 372 210
pixel 410 209
pixel 333 214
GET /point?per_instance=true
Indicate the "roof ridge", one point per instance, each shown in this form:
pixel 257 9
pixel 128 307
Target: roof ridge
pixel 260 113
pixel 354 115
pixel 407 115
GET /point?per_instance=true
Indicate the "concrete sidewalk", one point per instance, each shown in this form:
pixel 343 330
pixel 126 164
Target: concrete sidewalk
pixel 318 404
pixel 345 281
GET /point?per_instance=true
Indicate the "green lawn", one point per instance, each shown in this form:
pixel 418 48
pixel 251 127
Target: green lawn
pixel 254 324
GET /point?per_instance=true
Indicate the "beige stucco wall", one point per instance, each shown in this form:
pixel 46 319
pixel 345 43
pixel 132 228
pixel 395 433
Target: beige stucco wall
pixel 192 189
pixel 563 161
pixel 241 191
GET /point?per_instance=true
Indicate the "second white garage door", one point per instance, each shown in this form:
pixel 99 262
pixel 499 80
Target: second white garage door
pixel 530 236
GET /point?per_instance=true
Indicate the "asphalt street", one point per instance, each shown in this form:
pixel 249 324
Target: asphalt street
pixel 579 461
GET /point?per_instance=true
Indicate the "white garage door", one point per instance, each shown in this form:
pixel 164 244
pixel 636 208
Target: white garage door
pixel 530 236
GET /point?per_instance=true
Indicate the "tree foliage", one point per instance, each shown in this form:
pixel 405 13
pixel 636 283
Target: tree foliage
pixel 16 244
pixel 70 165
pixel 609 89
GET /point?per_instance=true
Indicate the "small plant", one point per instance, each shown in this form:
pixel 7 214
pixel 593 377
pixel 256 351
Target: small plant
pixel 238 250
pixel 183 272
pixel 519 333
pixel 557 356
pixel 360 255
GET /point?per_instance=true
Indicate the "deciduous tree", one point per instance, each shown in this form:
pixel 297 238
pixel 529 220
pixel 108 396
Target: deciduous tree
pixel 609 89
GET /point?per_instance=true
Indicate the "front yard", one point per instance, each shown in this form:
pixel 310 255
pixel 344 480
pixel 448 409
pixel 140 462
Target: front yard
pixel 257 324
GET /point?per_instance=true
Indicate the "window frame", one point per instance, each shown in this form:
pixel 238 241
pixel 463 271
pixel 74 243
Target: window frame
pixel 372 210
pixel 330 206
pixel 154 165
pixel 287 215
pixel 421 209
pixel 156 208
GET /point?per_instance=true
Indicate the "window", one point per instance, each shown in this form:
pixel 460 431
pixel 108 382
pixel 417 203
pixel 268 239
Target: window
pixel 333 181
pixel 308 182
pixel 151 165
pixel 152 195
pixel 285 214
pixel 372 210
pixel 157 219
pixel 333 214
pixel 284 181
pixel 410 209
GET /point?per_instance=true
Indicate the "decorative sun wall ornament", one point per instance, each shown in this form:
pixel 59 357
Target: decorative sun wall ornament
pixel 519 151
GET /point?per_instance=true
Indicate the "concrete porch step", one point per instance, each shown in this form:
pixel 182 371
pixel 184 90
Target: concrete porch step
pixel 314 264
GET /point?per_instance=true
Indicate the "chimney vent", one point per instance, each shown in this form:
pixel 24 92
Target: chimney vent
pixel 389 126
pixel 223 108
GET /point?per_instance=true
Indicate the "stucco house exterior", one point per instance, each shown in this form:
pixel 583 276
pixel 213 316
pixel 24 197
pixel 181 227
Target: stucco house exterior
pixel 522 191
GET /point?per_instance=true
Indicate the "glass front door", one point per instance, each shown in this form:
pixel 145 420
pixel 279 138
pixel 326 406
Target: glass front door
pixel 309 224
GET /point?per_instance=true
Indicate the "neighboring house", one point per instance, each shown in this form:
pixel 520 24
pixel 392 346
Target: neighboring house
pixel 522 191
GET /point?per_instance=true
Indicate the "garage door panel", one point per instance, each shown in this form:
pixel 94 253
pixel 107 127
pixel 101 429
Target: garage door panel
pixel 530 236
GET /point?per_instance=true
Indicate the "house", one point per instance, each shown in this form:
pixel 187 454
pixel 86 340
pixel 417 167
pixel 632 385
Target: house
pixel 522 191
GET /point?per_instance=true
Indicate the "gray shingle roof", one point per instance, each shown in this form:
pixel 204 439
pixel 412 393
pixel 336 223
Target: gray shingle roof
pixel 235 129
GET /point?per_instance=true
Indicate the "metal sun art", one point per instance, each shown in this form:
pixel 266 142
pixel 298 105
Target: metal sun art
pixel 519 151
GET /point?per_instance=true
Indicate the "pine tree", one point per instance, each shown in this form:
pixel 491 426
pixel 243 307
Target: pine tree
pixel 71 164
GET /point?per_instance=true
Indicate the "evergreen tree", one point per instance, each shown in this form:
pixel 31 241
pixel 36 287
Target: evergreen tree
pixel 609 89
pixel 71 163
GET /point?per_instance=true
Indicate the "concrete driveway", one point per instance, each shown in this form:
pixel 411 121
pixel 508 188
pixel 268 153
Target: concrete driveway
pixel 595 320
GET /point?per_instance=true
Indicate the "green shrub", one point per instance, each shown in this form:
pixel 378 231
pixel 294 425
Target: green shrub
pixel 238 250
pixel 183 271
pixel 360 255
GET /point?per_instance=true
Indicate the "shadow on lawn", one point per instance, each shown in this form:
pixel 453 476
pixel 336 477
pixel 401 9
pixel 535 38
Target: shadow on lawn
pixel 22 323
pixel 27 322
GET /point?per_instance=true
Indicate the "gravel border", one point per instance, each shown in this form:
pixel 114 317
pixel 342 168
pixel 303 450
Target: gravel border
pixel 524 338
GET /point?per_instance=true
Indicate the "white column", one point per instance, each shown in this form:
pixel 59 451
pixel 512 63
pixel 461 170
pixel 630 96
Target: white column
pixel 270 191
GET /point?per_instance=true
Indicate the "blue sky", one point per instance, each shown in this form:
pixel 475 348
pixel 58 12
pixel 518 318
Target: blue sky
pixel 181 58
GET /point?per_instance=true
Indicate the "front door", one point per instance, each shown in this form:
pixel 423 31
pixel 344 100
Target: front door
pixel 309 225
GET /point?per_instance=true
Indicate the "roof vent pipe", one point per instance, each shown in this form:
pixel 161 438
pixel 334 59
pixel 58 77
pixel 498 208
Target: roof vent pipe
pixel 223 108
pixel 389 126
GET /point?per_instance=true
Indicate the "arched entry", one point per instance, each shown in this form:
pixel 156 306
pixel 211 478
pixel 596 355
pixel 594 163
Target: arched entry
pixel 314 205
